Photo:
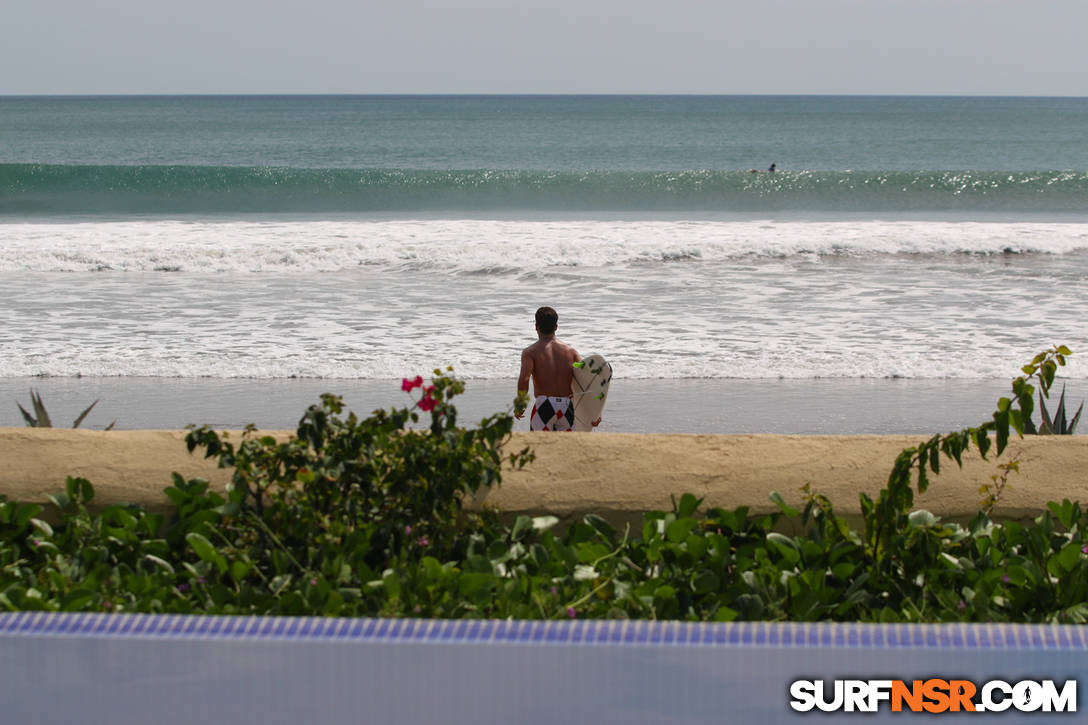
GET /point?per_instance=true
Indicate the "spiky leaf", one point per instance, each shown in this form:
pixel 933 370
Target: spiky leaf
pixel 39 410
pixel 84 414
pixel 31 421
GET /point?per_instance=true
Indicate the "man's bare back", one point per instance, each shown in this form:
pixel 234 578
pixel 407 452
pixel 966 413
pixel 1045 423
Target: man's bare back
pixel 548 363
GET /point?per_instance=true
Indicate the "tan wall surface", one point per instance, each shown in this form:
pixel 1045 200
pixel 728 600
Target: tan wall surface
pixel 614 474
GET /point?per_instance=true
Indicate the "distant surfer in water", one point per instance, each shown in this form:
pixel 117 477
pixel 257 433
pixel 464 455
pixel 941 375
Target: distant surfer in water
pixel 770 170
pixel 548 363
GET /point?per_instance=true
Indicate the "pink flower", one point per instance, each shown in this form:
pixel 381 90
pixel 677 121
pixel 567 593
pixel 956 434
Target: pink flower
pixel 408 385
pixel 423 541
pixel 313 582
pixel 1005 578
pixel 572 612
pixel 427 402
pixel 407 530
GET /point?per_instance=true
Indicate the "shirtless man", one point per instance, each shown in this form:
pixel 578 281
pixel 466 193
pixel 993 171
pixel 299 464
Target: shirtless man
pixel 548 362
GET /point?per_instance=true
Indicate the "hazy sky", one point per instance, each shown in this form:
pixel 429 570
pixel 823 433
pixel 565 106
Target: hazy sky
pixel 1000 47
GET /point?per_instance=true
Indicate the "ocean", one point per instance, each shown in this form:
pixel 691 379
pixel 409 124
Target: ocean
pixel 225 259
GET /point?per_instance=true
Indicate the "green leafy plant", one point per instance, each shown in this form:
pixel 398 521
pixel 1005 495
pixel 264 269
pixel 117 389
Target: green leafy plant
pixel 1058 425
pixel 887 517
pixel 41 419
pixel 995 489
pixel 385 492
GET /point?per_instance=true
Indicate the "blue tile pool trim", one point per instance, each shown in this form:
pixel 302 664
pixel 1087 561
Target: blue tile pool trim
pixel 588 633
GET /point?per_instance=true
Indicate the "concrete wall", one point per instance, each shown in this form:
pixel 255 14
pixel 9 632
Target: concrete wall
pixel 613 474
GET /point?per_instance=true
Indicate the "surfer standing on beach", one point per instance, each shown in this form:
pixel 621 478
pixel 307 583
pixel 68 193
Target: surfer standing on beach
pixel 548 362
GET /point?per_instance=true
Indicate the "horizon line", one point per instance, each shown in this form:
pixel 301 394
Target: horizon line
pixel 500 94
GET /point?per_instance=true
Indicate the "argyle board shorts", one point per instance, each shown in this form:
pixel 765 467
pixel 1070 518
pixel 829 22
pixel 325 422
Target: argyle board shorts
pixel 552 413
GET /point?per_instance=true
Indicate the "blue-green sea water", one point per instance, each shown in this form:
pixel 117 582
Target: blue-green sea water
pixel 174 155
pixel 368 238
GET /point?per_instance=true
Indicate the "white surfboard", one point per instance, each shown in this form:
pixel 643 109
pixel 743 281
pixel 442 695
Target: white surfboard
pixel 589 390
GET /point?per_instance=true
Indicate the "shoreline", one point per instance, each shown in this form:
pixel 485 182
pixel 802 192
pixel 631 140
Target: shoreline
pixel 618 476
pixel 817 406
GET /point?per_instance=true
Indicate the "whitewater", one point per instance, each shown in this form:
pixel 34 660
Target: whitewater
pixel 669 299
pixel 467 246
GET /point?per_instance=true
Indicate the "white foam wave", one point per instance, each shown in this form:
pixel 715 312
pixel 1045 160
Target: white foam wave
pixel 498 246
pixel 247 303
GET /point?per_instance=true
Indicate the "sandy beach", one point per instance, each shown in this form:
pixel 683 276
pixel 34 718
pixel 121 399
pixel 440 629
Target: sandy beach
pixel 832 406
pixel 615 475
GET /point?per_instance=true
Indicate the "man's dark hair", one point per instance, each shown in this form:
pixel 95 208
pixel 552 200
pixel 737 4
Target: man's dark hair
pixel 546 320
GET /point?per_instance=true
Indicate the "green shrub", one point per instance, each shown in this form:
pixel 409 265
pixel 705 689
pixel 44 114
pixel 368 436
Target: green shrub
pixel 305 525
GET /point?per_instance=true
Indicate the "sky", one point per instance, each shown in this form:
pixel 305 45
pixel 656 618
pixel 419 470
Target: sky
pixel 959 47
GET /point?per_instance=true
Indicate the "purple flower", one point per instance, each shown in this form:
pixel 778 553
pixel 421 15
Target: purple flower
pixel 313 582
pixel 200 580
pixel 1084 549
pixel 554 591
pixel 963 605
pixel 572 612
pixel 1005 578
pixel 183 587
pixel 423 541
pixel 407 530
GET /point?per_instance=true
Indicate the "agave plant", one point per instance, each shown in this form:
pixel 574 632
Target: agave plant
pixel 1058 425
pixel 41 419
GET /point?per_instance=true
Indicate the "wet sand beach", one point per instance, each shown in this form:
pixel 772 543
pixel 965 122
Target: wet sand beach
pixel 716 406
